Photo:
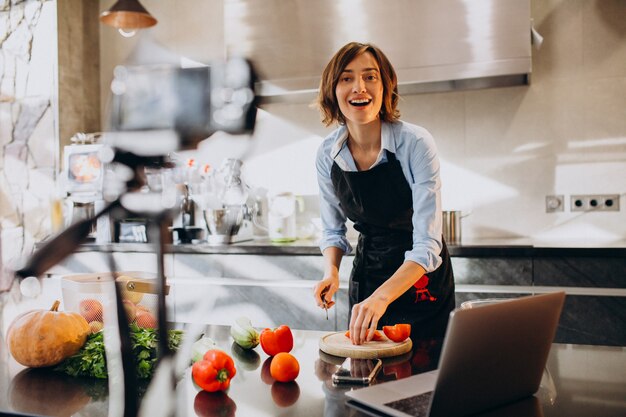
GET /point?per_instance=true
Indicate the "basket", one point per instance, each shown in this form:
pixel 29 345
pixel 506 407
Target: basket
pixel 93 297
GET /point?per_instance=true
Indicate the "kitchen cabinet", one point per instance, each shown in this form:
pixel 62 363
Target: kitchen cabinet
pixel 595 308
pixel 218 287
pixel 270 289
pixel 485 277
pixel 272 284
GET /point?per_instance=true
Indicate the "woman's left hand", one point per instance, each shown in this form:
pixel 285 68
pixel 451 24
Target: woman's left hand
pixel 364 320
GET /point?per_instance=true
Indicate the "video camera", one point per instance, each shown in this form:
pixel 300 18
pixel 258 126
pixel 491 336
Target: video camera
pixel 160 109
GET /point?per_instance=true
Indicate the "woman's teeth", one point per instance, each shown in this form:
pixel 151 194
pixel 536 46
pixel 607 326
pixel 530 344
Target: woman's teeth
pixel 360 102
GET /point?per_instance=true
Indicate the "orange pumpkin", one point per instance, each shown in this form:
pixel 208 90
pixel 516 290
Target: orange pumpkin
pixel 45 338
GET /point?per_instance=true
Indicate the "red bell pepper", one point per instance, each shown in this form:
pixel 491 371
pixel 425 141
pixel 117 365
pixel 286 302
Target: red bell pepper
pixel 214 371
pixel 378 337
pixel 277 340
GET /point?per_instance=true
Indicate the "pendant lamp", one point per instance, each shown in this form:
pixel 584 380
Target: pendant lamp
pixel 128 16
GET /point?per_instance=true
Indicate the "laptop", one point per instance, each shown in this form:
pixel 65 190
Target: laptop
pixel 492 355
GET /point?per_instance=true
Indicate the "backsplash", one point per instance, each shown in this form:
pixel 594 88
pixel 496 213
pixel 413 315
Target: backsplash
pixel 503 150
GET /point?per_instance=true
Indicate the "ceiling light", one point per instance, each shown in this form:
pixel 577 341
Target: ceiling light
pixel 127 16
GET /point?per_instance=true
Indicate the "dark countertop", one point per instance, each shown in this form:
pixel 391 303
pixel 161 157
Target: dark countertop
pixel 514 247
pixel 587 381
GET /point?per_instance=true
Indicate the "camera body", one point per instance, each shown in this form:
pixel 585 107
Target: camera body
pixel 159 109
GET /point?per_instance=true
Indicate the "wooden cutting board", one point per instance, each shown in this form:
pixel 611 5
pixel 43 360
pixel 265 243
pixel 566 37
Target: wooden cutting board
pixel 339 345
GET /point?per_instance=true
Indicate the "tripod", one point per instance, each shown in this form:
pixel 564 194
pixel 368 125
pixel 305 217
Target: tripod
pixel 126 205
pixel 147 123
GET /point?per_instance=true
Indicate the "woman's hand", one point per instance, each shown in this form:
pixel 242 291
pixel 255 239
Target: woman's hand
pixel 324 291
pixel 364 320
pixel 365 315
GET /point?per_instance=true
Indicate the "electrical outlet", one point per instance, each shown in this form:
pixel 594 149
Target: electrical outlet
pixel 594 202
pixel 554 203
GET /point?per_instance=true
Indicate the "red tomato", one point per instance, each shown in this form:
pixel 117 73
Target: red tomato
pixel 397 333
pixel 284 367
pixel 214 371
pixel 378 337
pixel 276 341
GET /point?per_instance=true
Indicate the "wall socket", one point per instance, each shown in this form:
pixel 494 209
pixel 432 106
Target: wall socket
pixel 594 202
pixel 555 203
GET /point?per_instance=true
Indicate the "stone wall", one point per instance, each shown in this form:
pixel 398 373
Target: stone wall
pixel 28 123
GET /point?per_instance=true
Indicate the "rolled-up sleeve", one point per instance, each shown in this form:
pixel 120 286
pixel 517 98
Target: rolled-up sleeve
pixel 333 218
pixel 426 188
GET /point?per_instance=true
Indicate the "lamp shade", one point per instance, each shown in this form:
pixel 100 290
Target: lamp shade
pixel 129 15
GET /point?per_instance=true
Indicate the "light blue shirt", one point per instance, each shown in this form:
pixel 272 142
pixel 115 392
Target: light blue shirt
pixel 414 147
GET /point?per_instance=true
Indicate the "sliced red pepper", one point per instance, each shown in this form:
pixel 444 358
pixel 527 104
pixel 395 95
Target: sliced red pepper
pixel 398 332
pixel 378 336
pixel 277 340
pixel 214 372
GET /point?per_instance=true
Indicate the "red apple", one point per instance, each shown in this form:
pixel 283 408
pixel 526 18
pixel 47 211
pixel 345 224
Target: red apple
pixel 146 320
pixel 90 309
pixel 131 310
pixel 141 307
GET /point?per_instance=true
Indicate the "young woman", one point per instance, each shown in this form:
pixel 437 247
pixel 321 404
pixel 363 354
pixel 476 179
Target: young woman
pixel 383 175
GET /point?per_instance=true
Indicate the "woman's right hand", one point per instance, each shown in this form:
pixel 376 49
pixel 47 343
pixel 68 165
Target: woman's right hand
pixel 325 290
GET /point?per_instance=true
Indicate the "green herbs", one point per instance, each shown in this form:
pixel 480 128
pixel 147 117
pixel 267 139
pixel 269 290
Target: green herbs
pixel 144 343
pixel 91 361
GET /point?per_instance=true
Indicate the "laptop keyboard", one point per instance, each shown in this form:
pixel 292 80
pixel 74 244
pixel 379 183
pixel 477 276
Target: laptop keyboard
pixel 417 405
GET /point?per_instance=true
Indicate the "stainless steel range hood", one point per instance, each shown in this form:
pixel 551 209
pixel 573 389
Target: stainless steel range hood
pixel 435 45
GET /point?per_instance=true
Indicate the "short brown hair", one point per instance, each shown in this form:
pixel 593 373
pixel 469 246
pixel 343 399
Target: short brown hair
pixel 327 99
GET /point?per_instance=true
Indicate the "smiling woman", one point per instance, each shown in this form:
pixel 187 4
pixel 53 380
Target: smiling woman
pixel 383 175
pixel 372 70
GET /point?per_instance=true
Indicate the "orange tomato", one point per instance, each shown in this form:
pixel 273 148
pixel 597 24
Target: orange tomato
pixel 397 333
pixel 284 367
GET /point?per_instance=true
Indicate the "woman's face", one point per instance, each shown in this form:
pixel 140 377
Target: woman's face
pixel 359 90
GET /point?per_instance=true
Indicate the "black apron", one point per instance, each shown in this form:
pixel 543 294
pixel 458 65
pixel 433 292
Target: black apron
pixel 379 201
